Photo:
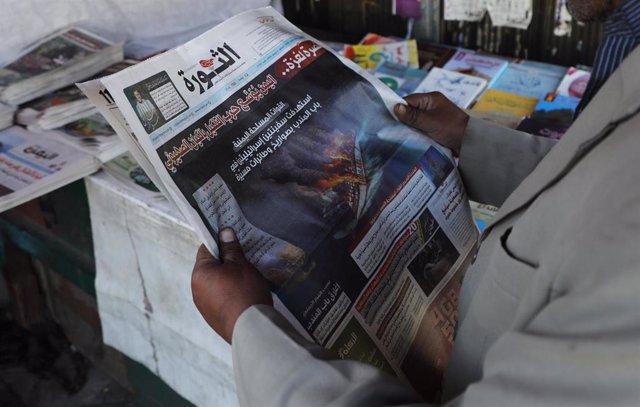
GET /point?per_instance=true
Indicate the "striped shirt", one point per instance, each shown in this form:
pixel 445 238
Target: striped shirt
pixel 621 35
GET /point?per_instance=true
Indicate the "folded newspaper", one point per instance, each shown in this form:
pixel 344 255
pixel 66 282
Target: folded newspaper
pixel 360 224
pixel 92 135
pixel 134 182
pixel 32 165
pixel 60 59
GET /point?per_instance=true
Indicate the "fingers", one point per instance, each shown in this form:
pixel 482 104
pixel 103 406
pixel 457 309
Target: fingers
pixel 230 249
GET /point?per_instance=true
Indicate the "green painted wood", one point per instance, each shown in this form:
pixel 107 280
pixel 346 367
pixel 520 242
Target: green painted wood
pixel 150 390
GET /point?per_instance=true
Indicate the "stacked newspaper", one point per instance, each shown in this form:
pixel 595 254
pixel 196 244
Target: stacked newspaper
pixel 133 181
pixel 360 223
pixel 61 59
pixel 32 165
pixel 6 115
pixel 62 106
pixel 91 135
pixel 55 109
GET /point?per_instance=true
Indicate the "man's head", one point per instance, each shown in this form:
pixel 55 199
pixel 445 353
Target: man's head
pixel 137 95
pixel 592 10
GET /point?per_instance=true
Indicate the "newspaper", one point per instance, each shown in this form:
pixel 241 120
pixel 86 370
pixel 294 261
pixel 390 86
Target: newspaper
pixel 60 59
pixel 6 115
pixel 134 181
pixel 32 165
pixel 92 135
pixel 360 224
pixel 63 106
pixel 464 10
pixel 562 19
pixel 507 13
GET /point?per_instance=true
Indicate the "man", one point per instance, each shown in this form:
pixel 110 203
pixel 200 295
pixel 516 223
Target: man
pixel 147 112
pixel 549 311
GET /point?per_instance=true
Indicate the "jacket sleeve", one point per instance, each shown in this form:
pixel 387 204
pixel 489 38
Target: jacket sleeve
pixel 586 354
pixel 495 159
pixel 275 366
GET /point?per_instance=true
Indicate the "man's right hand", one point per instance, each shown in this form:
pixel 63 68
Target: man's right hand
pixel 436 116
pixel 224 288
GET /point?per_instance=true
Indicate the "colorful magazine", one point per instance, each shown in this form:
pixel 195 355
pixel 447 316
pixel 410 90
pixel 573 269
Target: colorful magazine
pixel 369 56
pixel 552 116
pixel 503 108
pixel 480 65
pixel 400 78
pixel 461 89
pixel 434 55
pixel 574 83
pixel 529 79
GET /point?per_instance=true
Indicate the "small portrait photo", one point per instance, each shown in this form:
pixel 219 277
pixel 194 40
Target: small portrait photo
pixel 146 110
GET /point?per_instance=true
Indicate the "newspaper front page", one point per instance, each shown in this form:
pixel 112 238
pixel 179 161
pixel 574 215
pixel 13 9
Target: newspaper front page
pixel 359 223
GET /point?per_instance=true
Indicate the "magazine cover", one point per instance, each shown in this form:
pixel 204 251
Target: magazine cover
pixel 552 116
pixel 504 108
pixel 360 224
pixel 482 66
pixel 461 89
pixel 369 56
pixel 574 83
pixel 431 55
pixel 529 80
pixel 399 78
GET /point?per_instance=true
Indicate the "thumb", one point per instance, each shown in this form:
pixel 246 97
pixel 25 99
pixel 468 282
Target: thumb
pixel 414 117
pixel 230 249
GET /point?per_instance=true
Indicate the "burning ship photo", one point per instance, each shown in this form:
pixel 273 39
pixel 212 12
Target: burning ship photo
pixel 326 169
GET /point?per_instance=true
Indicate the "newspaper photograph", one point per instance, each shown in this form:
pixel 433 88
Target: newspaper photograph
pixel 360 224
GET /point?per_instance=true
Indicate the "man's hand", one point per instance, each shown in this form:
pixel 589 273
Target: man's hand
pixel 223 289
pixel 436 116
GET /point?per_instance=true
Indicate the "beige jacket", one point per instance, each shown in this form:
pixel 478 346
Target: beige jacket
pixel 550 309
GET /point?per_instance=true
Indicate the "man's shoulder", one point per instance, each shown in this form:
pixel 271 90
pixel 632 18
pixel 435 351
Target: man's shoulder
pixel 630 84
